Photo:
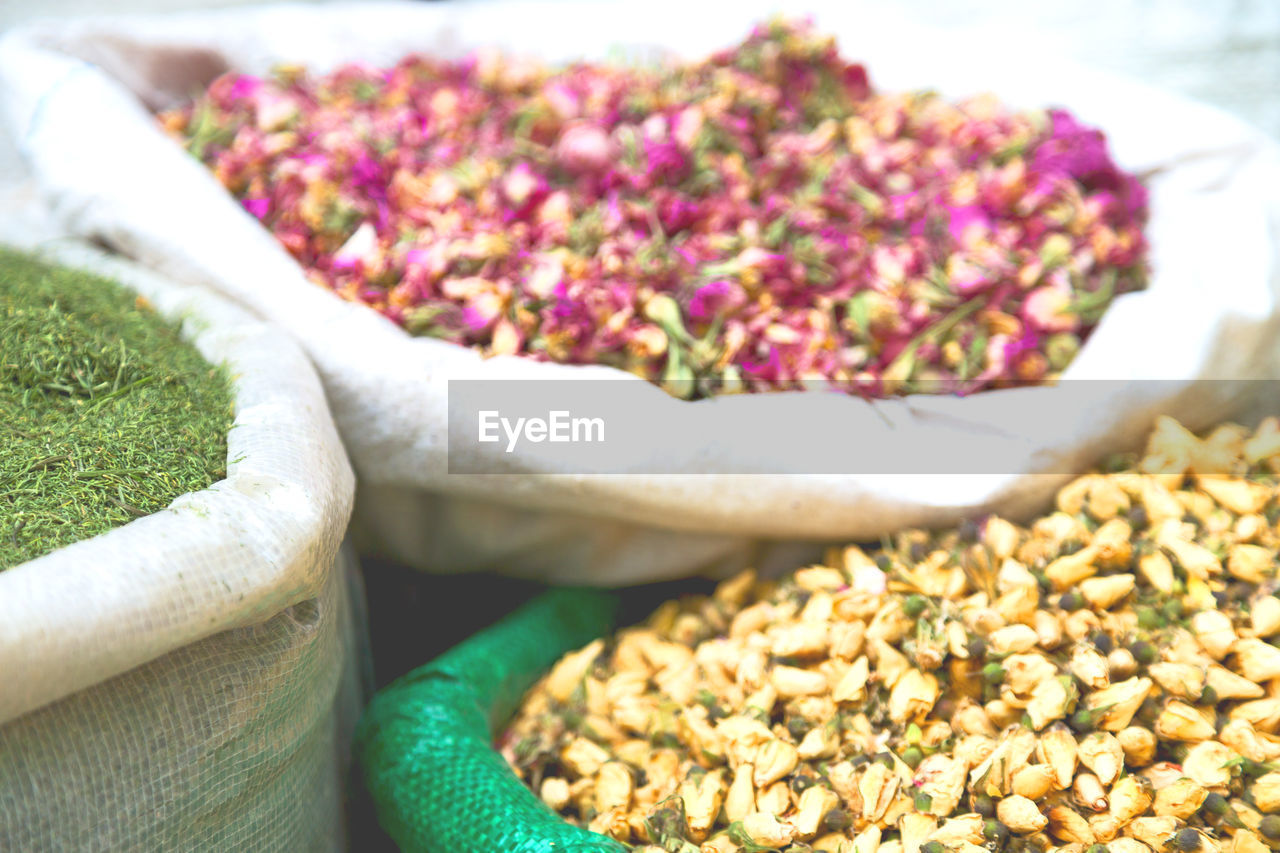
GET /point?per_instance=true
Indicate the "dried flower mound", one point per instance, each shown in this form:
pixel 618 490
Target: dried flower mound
pixel 758 220
pixel 1138 725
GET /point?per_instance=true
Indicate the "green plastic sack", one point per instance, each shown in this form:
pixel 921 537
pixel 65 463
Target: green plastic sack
pixel 425 742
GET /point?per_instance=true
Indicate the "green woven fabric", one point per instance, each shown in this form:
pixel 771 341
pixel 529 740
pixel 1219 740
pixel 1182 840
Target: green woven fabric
pixel 425 742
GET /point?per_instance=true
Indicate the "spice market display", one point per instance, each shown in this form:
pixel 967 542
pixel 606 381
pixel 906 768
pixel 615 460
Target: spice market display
pixel 108 414
pixel 1102 680
pixel 758 220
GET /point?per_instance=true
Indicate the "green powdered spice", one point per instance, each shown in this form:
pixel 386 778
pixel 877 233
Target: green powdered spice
pixel 106 413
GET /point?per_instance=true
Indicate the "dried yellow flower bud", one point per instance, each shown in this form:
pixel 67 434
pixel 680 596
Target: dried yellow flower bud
pixel 1067 825
pixel 1264 714
pixel 1128 845
pixel 1105 592
pixel 878 787
pixel 773 760
pixel 1180 679
pixel 1050 700
pixel 1152 831
pixel 1265 792
pixel 766 830
pixel 814 804
pixel 1257 660
pixel 583 757
pixel 1182 799
pixel 852 686
pixel 1033 781
pixel 1120 701
pixel 555 792
pixel 614 785
pixel 1059 750
pixel 1180 721
pixel 1102 753
pixel 1251 563
pixel 1157 570
pixel 913 696
pixel 1264 616
pixel 774 799
pixel 568 673
pixel 1021 815
pixel 964 828
pixel 1130 798
pixel 801 640
pixel 1048 629
pixel 740 800
pixel 942 779
pixel 1065 572
pixel 1206 764
pixel 1011 639
pixel 914 828
pixel 1239 496
pixel 1088 665
pixel 1139 745
pixel 1088 792
pixel 792 681
pixel 1213 629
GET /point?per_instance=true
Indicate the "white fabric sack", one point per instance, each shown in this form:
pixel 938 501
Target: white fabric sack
pixel 78 97
pixel 190 681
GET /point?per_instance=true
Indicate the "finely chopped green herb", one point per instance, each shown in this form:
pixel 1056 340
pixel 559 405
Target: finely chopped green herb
pixel 106 413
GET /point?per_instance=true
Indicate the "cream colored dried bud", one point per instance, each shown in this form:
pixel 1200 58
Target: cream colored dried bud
pixel 583 757
pixel 1102 753
pixel 1139 745
pixel 1104 827
pixel 1067 825
pixel 964 828
pixel 1081 624
pixel 751 620
pixel 1106 592
pixel 1264 616
pixel 1244 841
pixel 1197 560
pixel 1011 639
pixel 1050 700
pixel 1128 845
pixel 1257 660
pixel 1264 443
pixel 972 750
pixel 1024 672
pixel 1088 665
pixel 1003 713
pixel 792 681
pixel 819 742
pixel 1058 749
pixel 844 780
pixel 971 719
pixel 800 640
pixel 1206 764
pixel 942 779
pixel 1251 563
pixel 1180 679
pixel 1240 496
pixel 612 823
pixel 1157 570
pixel 773 760
pixel 614 785
pixel 913 696
pixel 714 844
pixel 774 799
pixel 1033 781
pixel 702 801
pixel 1243 739
pixel 1001 537
pixel 847 639
pixel 555 792
pixel 1121 664
pixel 1113 542
pixel 1021 815
pixel 1088 792
pixel 820 579
pixel 1180 721
pixel 914 828
pixel 1071 497
pixel 1265 792
pixel 877 787
pixel 1213 629
pixel 1152 831
pixel 740 800
pixel 567 675
pixel 852 687
pixel 1048 629
pixel 1263 714
pixel 766 830
pixel 1067 571
pixel 1121 701
pixel 1130 798
pixel 890 664
pixel 814 804
pixel 1182 799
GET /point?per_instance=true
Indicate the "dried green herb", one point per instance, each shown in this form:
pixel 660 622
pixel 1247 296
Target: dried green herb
pixel 106 413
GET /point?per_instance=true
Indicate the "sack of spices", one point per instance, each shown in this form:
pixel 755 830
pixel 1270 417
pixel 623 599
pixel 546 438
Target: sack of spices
pixel 779 216
pixel 182 631
pixel 1096 679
